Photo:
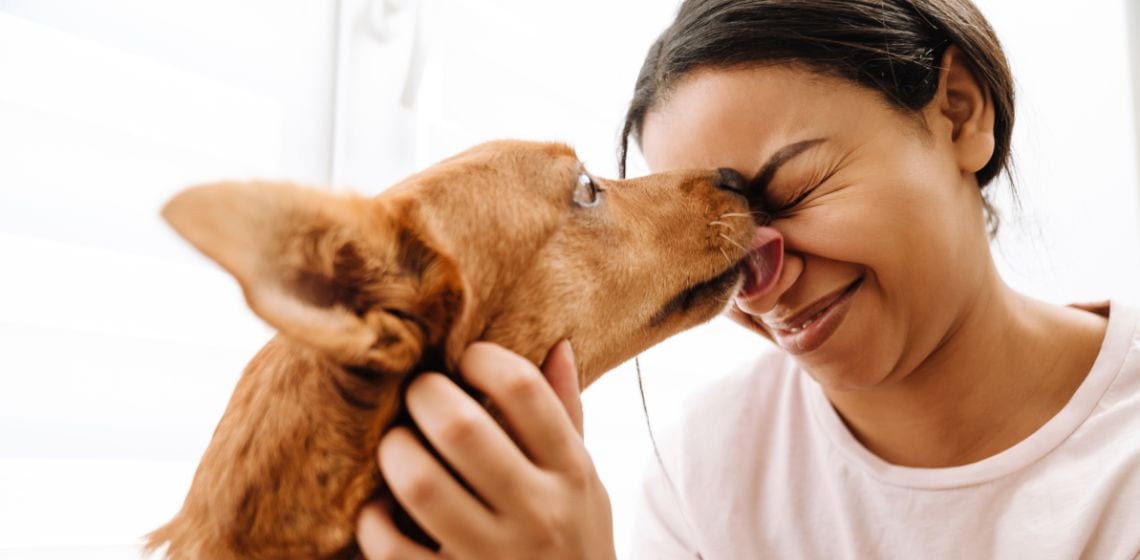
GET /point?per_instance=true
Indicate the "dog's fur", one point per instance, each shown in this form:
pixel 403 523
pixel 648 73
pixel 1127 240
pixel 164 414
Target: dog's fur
pixel 367 292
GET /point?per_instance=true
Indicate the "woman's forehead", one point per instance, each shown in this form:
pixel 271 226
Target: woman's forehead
pixel 739 117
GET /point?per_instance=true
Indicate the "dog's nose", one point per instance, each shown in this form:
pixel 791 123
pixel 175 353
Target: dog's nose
pixel 730 180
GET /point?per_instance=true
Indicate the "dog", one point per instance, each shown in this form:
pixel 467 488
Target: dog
pixel 509 242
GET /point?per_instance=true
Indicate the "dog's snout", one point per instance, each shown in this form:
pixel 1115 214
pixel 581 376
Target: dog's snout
pixel 730 180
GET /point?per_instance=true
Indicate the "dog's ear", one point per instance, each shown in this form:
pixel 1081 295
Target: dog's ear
pixel 338 273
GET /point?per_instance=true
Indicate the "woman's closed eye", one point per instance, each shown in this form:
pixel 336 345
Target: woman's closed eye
pixel 784 208
pixel 783 205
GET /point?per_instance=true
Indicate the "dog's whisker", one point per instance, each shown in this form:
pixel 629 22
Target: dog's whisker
pixel 744 215
pixel 725 254
pixel 756 216
pixel 734 242
pixel 724 224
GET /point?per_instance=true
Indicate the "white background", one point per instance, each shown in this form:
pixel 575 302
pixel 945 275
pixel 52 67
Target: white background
pixel 119 346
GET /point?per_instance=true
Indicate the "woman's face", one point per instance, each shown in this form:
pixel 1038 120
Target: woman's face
pixel 883 231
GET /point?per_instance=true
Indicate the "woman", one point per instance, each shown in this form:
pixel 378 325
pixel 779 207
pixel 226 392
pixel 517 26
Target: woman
pixel 917 407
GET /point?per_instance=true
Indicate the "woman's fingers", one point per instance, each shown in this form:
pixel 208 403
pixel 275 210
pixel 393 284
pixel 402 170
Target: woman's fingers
pixel 468 438
pixel 544 496
pixel 562 375
pixel 534 414
pixel 378 538
pixel 428 492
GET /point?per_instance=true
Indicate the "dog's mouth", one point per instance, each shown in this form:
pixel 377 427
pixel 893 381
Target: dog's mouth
pixel 755 273
pixel 715 288
pixel 761 267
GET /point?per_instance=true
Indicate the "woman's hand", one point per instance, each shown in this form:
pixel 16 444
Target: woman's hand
pixel 536 493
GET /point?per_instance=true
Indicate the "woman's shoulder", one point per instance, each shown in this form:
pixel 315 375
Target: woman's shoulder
pixel 1119 358
pixel 1117 363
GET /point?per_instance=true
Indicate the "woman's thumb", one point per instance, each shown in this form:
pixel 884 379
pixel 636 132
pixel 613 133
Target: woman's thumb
pixel 562 374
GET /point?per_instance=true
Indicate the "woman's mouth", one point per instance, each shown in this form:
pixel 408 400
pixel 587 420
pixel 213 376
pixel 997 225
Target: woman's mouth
pixel 812 327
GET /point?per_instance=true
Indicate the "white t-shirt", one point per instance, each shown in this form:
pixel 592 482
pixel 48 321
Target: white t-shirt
pixel 763 467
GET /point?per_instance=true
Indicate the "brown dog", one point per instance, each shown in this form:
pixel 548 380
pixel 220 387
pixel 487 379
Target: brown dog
pixel 509 242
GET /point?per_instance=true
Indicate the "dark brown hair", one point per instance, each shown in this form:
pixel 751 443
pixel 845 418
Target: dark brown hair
pixel 893 47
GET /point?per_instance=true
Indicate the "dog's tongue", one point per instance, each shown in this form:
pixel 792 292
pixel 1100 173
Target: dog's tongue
pixel 762 265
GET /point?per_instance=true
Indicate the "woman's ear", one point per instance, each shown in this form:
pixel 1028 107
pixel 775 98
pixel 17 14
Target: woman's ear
pixel 966 105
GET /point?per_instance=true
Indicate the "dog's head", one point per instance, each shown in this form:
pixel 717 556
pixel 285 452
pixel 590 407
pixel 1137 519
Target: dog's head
pixel 510 242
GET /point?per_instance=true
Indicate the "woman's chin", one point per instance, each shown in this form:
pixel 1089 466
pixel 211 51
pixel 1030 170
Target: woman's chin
pixel 846 363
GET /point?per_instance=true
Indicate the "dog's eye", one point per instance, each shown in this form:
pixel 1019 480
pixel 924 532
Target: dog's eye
pixel 587 194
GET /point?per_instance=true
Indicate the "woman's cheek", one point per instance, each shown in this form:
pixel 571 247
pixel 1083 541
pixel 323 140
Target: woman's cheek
pixel 831 230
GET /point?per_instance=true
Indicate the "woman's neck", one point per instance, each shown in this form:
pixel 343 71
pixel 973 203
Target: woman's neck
pixel 1007 367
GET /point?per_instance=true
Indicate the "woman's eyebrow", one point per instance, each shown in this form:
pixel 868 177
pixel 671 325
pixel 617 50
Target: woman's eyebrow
pixel 759 185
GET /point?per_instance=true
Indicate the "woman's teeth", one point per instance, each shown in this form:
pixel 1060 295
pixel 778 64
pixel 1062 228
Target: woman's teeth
pixel 806 324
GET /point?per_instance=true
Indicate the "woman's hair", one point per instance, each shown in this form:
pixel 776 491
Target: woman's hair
pixel 894 47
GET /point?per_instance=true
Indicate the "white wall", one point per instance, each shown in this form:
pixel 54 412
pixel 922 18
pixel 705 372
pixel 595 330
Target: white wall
pixel 1133 32
pixel 119 346
pixel 1075 147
